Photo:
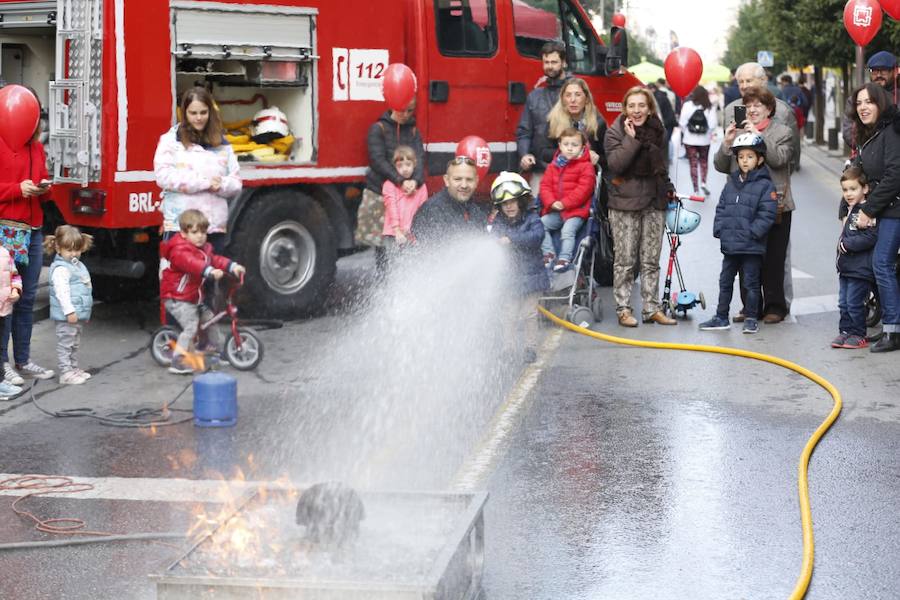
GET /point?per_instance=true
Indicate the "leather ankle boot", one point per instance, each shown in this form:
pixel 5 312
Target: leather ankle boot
pixel 888 343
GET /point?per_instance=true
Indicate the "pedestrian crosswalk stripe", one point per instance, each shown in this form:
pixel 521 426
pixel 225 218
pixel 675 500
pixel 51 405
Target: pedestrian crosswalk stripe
pixel 148 489
pixel 812 305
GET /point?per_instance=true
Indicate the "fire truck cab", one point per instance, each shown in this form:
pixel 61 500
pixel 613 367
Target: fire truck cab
pixel 110 73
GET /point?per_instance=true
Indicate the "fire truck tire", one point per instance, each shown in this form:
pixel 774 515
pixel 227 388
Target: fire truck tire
pixel 287 245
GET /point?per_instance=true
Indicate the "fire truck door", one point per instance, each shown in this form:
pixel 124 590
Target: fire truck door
pixel 466 82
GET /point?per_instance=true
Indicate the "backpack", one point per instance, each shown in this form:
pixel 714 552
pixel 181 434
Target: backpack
pixel 697 123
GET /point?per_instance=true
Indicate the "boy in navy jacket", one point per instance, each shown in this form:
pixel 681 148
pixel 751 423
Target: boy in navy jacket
pixel 854 264
pixel 744 215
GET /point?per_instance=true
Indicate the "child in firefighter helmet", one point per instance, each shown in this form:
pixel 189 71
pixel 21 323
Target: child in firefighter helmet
pixel 744 215
pixel 518 228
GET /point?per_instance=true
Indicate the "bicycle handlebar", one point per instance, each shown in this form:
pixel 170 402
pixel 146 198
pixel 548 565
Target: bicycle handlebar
pixel 691 197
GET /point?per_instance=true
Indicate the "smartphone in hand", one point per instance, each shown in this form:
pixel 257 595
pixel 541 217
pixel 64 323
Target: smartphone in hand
pixel 740 115
pixel 45 184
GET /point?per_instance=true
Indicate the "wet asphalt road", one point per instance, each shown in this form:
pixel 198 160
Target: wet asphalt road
pixel 628 474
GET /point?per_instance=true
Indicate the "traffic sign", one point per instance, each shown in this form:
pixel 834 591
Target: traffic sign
pixel 765 58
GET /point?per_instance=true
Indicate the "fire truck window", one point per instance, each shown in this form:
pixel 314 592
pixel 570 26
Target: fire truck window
pixel 466 27
pixel 577 37
pixel 536 22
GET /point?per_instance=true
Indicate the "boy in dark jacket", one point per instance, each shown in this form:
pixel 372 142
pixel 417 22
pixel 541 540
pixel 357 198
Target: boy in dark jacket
pixel 566 191
pixel 744 215
pixel 185 261
pixel 854 264
pixel 520 229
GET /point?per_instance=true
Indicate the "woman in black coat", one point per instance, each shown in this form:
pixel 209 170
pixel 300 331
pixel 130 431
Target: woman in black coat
pixel 394 128
pixel 877 128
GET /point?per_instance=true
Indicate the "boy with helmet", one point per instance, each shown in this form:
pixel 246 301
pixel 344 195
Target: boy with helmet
pixel 744 215
pixel 518 228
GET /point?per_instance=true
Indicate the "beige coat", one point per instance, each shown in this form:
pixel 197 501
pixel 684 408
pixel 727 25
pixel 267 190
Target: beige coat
pixel 784 114
pixel 779 154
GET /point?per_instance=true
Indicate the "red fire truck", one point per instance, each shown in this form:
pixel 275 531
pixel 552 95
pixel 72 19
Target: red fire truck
pixel 109 74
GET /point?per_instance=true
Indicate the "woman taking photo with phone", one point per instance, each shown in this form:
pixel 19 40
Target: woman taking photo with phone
pixel 24 183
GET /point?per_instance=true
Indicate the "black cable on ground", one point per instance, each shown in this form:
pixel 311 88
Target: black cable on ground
pixel 142 417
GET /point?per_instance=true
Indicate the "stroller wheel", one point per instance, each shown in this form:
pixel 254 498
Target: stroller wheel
pixel 580 315
pixel 163 344
pixel 702 299
pixel 873 309
pixel 597 308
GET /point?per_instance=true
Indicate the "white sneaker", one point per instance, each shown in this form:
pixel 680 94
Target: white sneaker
pixel 72 378
pixel 32 370
pixel 83 373
pixel 10 376
pixel 8 390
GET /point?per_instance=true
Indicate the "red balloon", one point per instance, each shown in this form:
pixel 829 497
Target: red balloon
pixel 399 86
pixel 862 19
pixel 19 115
pixel 683 69
pixel 892 8
pixel 477 149
pixel 618 20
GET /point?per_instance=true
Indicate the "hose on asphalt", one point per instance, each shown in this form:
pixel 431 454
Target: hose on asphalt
pixel 806 569
pixel 141 417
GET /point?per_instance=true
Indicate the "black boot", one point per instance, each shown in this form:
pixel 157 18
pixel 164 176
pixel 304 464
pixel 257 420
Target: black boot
pixel 888 343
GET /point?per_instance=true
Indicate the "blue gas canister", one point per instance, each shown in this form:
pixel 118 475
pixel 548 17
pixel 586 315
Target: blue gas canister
pixel 215 400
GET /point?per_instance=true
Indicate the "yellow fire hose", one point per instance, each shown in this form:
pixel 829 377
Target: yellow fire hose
pixel 802 469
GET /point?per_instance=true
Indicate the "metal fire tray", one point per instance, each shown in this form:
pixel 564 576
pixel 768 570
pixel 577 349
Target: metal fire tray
pixel 411 546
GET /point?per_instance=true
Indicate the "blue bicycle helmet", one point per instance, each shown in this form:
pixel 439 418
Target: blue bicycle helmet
pixel 688 220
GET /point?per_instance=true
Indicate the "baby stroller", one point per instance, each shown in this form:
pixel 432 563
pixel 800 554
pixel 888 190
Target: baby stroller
pixel 679 221
pixel 578 287
pixel 243 348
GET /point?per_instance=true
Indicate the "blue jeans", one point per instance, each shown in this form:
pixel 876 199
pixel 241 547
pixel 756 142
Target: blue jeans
pixel 884 259
pixel 750 265
pixel 568 228
pixel 852 304
pixel 19 323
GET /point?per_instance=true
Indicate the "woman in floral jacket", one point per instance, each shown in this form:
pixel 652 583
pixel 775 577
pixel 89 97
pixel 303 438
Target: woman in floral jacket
pixel 196 167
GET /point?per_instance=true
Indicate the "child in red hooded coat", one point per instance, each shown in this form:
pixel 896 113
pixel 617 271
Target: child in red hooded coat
pixel 566 191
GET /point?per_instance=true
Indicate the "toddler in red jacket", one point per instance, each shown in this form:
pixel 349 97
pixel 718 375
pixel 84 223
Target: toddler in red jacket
pixel 566 191
pixel 185 261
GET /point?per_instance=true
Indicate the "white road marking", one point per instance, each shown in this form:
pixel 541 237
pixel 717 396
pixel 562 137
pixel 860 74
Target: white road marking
pixel 473 471
pixel 152 490
pixel 798 274
pixel 812 305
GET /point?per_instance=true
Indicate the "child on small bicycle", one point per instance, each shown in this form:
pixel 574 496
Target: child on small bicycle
pixel 186 260
pixel 70 298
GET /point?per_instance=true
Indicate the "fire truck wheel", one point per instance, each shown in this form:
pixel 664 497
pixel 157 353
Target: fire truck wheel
pixel 287 245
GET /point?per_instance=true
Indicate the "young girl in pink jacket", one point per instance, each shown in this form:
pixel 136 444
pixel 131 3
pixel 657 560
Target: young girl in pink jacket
pixel 399 207
pixel 10 290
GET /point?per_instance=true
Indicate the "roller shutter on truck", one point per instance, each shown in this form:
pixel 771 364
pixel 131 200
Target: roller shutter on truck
pixel 247 51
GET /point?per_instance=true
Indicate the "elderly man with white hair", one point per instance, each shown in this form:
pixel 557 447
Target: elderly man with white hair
pixel 749 75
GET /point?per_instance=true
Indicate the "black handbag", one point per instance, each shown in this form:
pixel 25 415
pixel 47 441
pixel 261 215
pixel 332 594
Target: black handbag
pixel 605 241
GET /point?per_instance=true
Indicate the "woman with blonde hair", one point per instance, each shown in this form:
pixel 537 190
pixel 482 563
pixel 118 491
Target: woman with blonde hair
pixel 575 108
pixel 638 197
